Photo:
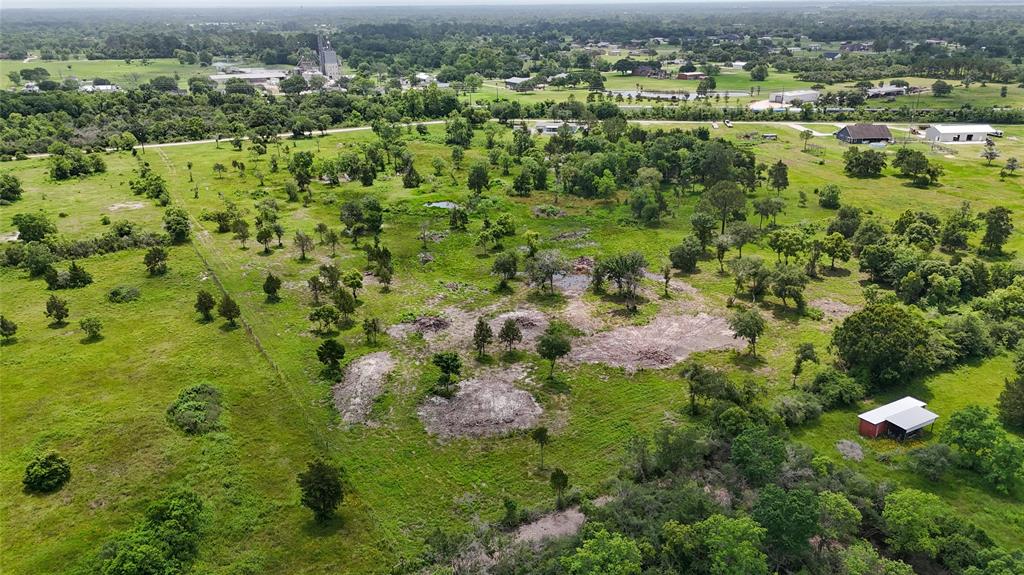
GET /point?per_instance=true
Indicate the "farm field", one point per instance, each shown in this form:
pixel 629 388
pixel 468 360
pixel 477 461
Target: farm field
pixel 102 403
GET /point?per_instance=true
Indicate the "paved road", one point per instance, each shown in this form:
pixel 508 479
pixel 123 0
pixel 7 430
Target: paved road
pixel 791 125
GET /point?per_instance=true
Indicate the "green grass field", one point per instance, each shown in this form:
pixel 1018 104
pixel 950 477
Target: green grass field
pixel 976 96
pixel 124 74
pixel 102 404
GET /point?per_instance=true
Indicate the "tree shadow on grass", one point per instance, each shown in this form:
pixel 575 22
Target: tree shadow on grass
pixel 834 273
pixel 546 298
pixel 332 526
pixel 782 313
pixel 512 356
pixel 746 361
pixel 56 324
pixel 228 327
pixel 91 339
pixel 556 384
pixel 9 341
pixel 503 288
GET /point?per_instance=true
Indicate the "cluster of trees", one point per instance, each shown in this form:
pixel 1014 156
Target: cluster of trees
pixel 165 540
pixel 32 122
pixel 67 162
pixel 227 308
pixel 734 496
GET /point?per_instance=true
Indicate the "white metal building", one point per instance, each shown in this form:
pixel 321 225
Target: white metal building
pixel 795 96
pixel 899 418
pixel 958 133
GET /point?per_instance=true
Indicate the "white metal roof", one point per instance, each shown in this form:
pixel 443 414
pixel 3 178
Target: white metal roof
pixel 269 75
pixel 912 419
pixel 962 128
pixel 880 414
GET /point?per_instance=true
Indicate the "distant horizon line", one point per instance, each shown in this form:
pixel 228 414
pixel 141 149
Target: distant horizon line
pixel 322 4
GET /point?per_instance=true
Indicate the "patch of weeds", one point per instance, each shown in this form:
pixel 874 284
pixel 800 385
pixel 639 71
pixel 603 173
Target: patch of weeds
pixel 566 329
pixel 196 410
pixel 123 294
pixel 546 298
pixel 382 405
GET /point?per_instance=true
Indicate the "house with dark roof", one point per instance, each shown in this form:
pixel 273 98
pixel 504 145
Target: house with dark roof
pixel 864 134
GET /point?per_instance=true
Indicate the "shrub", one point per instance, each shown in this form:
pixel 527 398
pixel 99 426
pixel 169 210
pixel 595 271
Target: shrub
pixel 196 410
pixel 123 294
pixel 834 388
pixel 797 409
pixel 74 277
pixel 684 256
pixel 828 197
pixel 931 461
pixel 46 473
pixel 733 421
pixel 970 336
pixel 166 541
pixel 91 326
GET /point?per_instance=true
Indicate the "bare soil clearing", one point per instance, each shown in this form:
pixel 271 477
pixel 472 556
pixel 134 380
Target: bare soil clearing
pixel 362 384
pixel 580 314
pixel 674 284
pixel 572 285
pixel 531 322
pixel 426 325
pixel 850 449
pixel 560 524
pixel 664 342
pixel 126 206
pixel 833 309
pixel 454 326
pixel 488 404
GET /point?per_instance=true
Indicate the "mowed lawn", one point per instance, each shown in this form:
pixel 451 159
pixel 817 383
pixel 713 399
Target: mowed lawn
pixel 102 404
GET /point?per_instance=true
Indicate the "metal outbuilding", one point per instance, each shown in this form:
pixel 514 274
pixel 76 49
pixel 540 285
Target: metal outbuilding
pixel 898 419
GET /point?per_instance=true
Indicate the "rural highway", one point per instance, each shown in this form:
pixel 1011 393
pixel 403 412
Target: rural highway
pixel 790 125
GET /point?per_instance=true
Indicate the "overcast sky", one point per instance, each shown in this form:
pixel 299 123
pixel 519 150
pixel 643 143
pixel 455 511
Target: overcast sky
pixel 137 4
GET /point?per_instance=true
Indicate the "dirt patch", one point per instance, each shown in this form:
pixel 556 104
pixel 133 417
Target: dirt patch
pixel 531 322
pixel 667 340
pixel 560 524
pixel 850 449
pixel 674 284
pixel 126 206
pixel 9 237
pixel 571 236
pixel 580 314
pixel 363 381
pixel 426 325
pixel 572 285
pixel 832 308
pixel 488 404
